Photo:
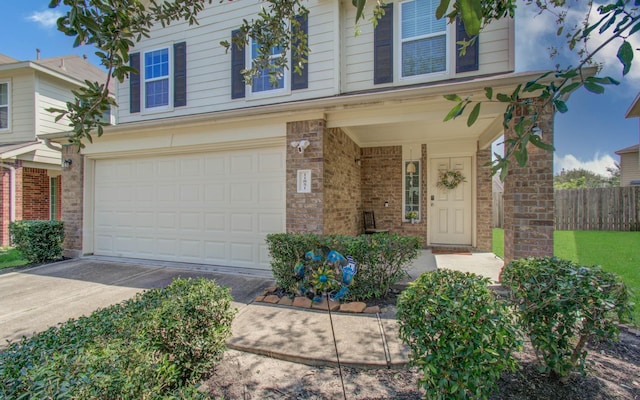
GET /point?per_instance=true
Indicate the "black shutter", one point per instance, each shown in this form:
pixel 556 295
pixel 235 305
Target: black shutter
pixel 134 83
pixel 468 62
pixel 383 47
pixel 237 65
pixel 180 74
pixel 301 81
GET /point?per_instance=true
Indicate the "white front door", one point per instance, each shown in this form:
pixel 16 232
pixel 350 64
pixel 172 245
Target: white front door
pixel 450 209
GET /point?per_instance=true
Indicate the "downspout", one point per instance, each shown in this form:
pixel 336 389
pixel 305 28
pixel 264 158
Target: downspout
pixel 12 191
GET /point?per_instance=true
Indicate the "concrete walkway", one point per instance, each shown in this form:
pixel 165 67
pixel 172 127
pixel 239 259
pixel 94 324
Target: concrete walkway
pixel 32 300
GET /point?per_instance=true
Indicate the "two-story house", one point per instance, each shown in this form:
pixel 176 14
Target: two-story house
pixel 31 169
pixel 201 166
pixel 630 156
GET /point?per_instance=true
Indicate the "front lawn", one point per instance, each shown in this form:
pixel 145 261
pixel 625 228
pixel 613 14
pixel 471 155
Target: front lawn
pixel 617 252
pixel 10 257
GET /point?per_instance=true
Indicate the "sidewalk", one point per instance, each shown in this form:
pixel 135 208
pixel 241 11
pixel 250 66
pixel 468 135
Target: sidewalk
pixel 363 341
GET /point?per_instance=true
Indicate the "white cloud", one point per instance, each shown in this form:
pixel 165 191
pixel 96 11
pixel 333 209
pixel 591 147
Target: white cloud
pixel 46 18
pixel 536 33
pixel 598 164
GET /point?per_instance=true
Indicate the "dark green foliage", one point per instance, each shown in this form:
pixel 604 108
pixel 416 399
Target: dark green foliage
pixel 381 259
pixel 461 337
pixel 561 305
pixel 38 241
pixel 156 345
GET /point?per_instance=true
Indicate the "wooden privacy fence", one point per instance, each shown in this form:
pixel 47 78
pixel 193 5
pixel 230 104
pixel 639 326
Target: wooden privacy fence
pixel 600 209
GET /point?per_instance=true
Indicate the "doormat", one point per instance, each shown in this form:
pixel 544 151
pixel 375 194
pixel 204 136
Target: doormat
pixel 457 252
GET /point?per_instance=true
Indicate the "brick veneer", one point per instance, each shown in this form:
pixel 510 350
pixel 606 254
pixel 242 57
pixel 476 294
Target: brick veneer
pixel 529 198
pixel 32 197
pixel 382 177
pixel 484 202
pixel 72 199
pixel 305 210
pixel 342 184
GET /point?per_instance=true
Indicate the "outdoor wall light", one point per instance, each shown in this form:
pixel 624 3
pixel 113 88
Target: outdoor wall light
pixel 66 164
pixel 536 130
pixel 300 146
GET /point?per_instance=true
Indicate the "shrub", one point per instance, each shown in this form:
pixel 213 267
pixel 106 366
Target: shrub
pixel 38 241
pixel 460 335
pixel 561 305
pixel 381 259
pixel 124 351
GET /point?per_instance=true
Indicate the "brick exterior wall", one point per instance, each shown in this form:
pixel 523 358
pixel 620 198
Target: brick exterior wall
pixel 382 176
pixel 305 210
pixel 35 194
pixel 529 198
pixel 32 197
pixel 72 199
pixel 342 184
pixel 484 202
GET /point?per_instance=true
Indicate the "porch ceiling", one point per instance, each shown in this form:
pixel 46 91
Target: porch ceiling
pixel 422 121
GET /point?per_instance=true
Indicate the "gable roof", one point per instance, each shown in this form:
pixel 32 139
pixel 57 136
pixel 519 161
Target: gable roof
pixel 7 60
pixel 631 149
pixel 634 109
pixel 72 68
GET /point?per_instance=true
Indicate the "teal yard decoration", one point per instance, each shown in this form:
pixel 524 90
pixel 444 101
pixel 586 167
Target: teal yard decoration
pixel 324 271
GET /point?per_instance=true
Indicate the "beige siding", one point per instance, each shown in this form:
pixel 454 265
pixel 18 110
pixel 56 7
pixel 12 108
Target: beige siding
pixel 21 105
pixel 496 52
pixel 629 168
pixel 52 93
pixel 209 66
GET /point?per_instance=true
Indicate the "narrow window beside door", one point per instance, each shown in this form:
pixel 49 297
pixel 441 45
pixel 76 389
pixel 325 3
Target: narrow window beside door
pixel 412 187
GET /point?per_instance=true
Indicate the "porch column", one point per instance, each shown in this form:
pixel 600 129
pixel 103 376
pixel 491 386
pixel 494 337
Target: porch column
pixel 528 197
pixel 305 212
pixel 72 201
pixel 484 199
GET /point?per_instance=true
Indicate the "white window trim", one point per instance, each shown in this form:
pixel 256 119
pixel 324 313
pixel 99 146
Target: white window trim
pixel 8 105
pixel 53 197
pixel 404 188
pixel 169 106
pixel 280 91
pixel 433 76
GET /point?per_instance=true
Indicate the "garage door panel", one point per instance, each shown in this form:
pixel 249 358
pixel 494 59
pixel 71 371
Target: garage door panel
pixel 213 208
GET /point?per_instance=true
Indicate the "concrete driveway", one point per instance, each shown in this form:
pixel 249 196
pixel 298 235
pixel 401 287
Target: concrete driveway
pixel 34 299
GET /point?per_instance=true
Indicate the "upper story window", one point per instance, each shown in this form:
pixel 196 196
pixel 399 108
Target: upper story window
pixel 423 38
pixel 262 82
pixel 4 105
pixel 156 78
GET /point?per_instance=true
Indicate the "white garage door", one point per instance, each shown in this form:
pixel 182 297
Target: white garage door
pixel 212 208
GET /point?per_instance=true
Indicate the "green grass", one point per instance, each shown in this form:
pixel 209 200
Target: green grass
pixel 10 257
pixel 617 252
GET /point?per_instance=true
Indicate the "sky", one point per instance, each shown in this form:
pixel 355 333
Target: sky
pixel 585 137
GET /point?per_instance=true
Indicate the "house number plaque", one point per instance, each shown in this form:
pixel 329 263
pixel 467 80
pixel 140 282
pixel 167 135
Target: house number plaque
pixel 304 181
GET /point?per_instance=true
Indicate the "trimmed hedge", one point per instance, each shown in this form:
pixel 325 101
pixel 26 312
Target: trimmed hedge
pixel 38 241
pixel 562 305
pixel 461 337
pixel 156 345
pixel 381 259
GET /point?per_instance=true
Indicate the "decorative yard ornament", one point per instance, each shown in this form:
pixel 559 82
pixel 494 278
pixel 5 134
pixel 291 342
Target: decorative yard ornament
pixel 325 272
pixel 450 179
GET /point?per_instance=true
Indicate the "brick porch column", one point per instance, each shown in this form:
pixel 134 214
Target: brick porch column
pixel 305 212
pixel 72 201
pixel 528 198
pixel 484 199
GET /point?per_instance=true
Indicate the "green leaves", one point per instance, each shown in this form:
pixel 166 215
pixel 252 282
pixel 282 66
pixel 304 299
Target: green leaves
pixel 562 305
pixel 625 55
pixel 461 337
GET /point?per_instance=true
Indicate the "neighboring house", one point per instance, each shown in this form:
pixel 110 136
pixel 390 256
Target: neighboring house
pixel 202 166
pixel 629 156
pixel 31 170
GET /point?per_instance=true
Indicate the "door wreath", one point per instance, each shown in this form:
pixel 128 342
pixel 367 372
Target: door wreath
pixel 450 179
